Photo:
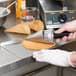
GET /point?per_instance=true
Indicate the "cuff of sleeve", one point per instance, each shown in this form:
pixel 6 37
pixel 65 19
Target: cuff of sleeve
pixel 69 60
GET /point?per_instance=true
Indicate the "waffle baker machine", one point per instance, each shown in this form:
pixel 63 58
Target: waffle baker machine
pixel 55 12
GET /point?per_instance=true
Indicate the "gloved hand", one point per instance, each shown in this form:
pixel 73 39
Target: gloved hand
pixel 70 27
pixel 55 57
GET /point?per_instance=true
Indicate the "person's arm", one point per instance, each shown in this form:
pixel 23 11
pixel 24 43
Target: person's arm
pixel 70 27
pixel 73 58
pixel 56 57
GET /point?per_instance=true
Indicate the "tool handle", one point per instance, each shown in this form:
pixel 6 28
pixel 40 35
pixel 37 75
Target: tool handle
pixel 11 4
pixel 61 35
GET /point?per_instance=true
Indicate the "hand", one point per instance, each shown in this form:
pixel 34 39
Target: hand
pixel 70 27
pixel 55 57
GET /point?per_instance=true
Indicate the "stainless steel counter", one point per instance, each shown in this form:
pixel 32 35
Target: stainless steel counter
pixel 14 59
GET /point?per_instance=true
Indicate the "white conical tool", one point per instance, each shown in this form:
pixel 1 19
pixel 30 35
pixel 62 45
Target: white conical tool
pixel 46 36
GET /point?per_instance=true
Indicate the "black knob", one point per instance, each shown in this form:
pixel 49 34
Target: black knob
pixel 62 18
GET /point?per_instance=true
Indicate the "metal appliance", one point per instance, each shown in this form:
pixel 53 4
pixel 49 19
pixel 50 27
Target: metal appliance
pixel 32 9
pixel 56 12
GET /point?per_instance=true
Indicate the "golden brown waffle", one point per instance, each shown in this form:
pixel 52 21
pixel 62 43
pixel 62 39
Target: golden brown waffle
pixel 32 45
